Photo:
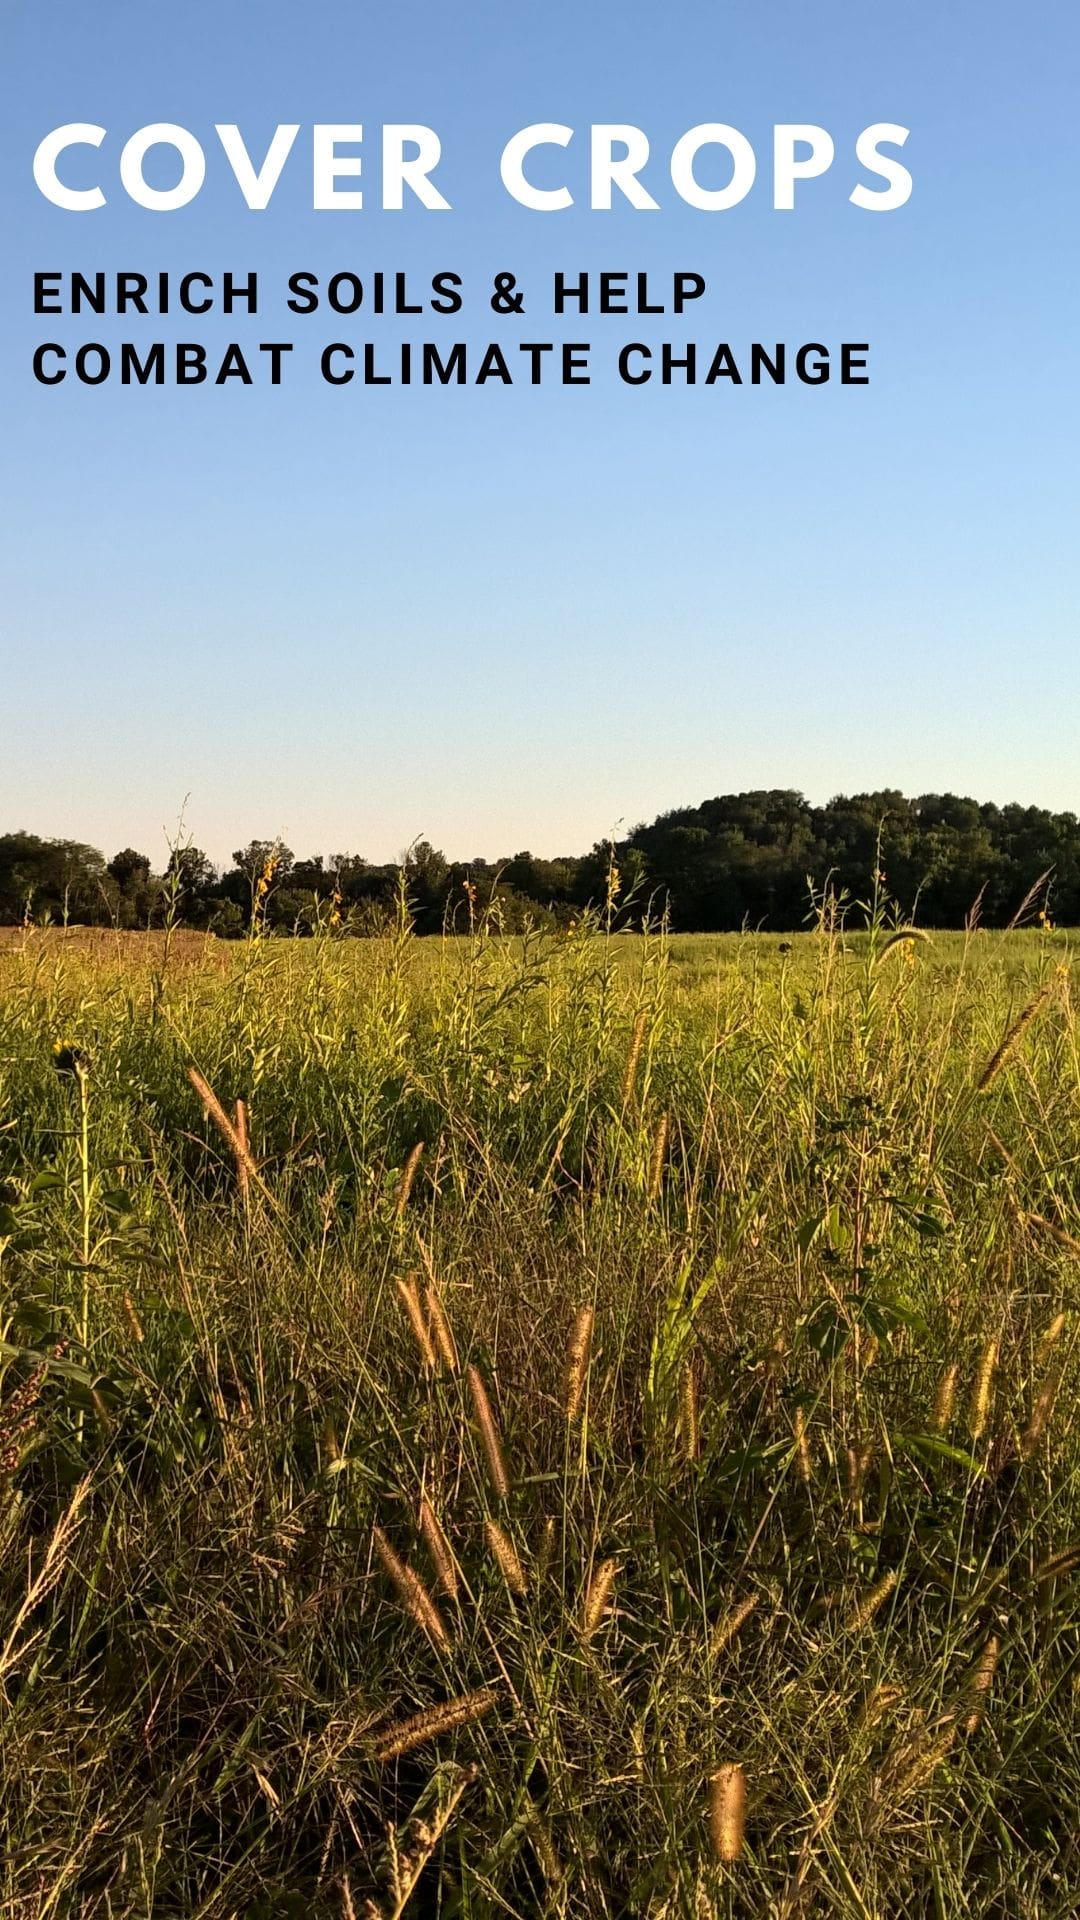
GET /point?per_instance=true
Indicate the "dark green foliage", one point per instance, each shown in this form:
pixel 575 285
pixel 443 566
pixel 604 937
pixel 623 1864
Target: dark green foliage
pixel 749 859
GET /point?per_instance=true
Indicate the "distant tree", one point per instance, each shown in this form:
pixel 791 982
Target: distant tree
pixel 548 882
pixel 24 870
pixel 50 880
pixel 188 880
pixel 738 859
pixel 958 856
pixel 311 876
pixel 129 868
pixel 427 877
pixel 226 919
pixel 133 901
pixel 258 855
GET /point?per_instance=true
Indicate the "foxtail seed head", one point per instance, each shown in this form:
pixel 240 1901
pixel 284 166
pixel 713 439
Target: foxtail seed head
pixel 878 1703
pixel 1049 1339
pixel 215 1111
pixel 689 1412
pixel 506 1555
pixel 1054 1229
pixel 412 1593
pixel 546 1550
pixel 864 1610
pixel 633 1058
pixel 408 1175
pixel 1056 1565
pixel 489 1434
pixel 727 1812
pixel 243 1157
pixel 543 1847
pixel 916 1761
pixel 1040 1414
pixel 439 1550
pixel 945 1400
pixel 441 1329
pixel 134 1324
pixel 410 1300
pixel 1013 1035
pixel 578 1349
pixel 598 1597
pixel 659 1157
pixel 726 1629
pixel 422 1727
pixel 982 1391
pixel 980 1682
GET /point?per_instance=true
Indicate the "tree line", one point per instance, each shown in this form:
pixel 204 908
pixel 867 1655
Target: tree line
pixel 748 859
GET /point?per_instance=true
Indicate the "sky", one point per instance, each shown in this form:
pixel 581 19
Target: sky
pixel 508 618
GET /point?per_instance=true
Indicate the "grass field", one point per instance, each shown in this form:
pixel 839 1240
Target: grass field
pixel 593 1434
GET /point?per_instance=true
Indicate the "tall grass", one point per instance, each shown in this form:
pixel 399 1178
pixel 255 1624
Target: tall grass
pixel 576 1427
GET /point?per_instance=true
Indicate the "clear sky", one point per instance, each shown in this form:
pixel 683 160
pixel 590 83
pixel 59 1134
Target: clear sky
pixel 518 618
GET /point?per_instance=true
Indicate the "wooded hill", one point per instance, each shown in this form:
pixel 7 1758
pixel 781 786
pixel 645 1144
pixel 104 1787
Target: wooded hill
pixel 748 859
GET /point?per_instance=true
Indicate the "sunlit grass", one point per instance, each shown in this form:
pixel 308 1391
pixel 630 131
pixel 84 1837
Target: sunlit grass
pixel 595 1433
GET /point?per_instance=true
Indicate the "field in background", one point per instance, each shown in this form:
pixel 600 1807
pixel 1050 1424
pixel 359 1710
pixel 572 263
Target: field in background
pixel 594 1432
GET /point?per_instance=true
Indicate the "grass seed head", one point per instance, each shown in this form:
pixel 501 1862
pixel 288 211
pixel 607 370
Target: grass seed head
pixel 439 1549
pixel 727 1812
pixel 489 1434
pixel 419 1728
pixel 543 1847
pixel 1048 1340
pixel 410 1300
pixel 506 1555
pixel 1056 1565
pixel 598 1597
pixel 980 1682
pixel 864 1610
pixel 982 1390
pixel 243 1178
pixel 945 1400
pixel 441 1329
pixel 1013 1035
pixel 18 1418
pixel 915 1762
pixel 1055 1230
pixel 659 1157
pixel 633 1059
pixel 134 1324
pixel 859 1461
pixel 689 1412
pixel 412 1593
pixel 214 1111
pixel 880 1701
pixel 732 1624
pixel 546 1551
pixel 1041 1414
pixel 578 1349
pixel 405 1184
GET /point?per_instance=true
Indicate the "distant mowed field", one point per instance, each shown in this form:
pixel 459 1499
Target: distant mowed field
pixel 571 1425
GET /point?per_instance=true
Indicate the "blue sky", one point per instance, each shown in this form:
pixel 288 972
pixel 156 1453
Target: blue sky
pixel 520 618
